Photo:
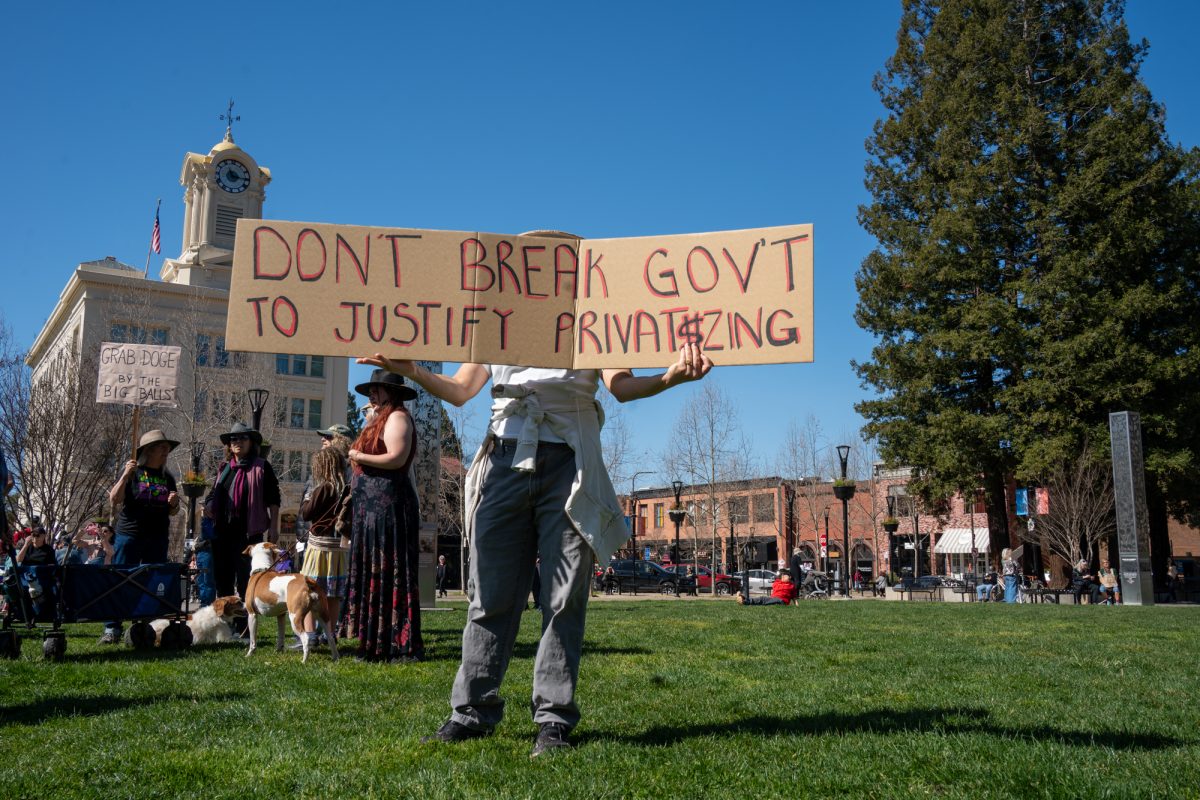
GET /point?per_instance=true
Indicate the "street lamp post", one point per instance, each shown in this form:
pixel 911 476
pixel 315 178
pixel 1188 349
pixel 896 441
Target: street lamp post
pixel 258 401
pixel 197 450
pixel 677 514
pixel 843 489
pixel 890 525
pixel 916 543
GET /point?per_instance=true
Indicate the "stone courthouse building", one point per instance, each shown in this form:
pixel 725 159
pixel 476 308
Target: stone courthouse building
pixel 186 305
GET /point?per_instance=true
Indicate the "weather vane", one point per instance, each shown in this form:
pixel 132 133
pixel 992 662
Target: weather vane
pixel 228 118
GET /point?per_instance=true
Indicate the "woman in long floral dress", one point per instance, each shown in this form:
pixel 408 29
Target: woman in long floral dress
pixel 385 606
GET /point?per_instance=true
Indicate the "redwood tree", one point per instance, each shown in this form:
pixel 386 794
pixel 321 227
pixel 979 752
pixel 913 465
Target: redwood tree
pixel 1037 251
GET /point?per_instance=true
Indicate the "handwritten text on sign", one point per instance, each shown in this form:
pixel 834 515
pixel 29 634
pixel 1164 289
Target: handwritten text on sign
pixel 138 374
pixel 549 301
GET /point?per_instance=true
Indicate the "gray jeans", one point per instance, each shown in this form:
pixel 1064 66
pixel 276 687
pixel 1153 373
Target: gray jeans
pixel 521 517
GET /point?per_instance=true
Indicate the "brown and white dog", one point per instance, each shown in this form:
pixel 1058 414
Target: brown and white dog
pixel 271 594
pixel 210 625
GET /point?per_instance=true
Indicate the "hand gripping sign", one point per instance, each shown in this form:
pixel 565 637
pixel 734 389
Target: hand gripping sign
pixel 544 301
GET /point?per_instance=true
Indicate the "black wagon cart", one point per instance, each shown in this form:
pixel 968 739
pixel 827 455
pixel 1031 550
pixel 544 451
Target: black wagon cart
pixel 41 599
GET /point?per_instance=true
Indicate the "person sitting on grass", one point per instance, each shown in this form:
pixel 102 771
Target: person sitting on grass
pixel 783 592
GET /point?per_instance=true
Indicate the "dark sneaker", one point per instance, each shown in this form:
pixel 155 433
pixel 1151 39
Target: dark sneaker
pixel 551 736
pixel 454 732
pixel 111 636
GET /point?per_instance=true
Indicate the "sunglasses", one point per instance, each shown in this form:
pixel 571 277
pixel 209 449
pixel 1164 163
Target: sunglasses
pixel 239 438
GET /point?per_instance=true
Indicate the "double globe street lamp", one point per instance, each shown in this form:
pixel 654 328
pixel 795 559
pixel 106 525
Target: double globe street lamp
pixel 677 514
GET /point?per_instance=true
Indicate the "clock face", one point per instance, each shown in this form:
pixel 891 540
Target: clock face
pixel 232 176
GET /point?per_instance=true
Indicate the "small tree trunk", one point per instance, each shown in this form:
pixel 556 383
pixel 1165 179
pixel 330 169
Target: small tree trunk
pixel 997 516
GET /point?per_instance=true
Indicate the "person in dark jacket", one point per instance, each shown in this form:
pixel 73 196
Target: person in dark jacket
pixel 440 579
pixel 797 566
pixel 244 507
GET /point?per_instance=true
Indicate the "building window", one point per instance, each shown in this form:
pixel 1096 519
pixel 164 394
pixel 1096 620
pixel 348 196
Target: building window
pixel 304 366
pixel 296 418
pixel 904 504
pixel 298 412
pixel 658 515
pixel 130 333
pixel 292 466
pixel 211 352
pixel 764 508
pixel 739 509
pixel 295 472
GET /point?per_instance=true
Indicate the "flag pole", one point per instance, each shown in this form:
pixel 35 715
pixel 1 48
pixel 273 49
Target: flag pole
pixel 153 236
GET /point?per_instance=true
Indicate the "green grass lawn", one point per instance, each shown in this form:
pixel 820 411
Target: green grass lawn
pixel 689 699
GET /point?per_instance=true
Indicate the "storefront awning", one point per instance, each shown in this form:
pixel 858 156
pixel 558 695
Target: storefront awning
pixel 958 540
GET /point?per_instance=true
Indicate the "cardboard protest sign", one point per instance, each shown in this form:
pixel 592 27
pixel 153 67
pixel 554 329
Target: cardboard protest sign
pixel 543 301
pixel 138 374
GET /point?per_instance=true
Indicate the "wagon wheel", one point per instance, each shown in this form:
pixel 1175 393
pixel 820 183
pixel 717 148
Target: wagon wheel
pixel 54 646
pixel 140 636
pixel 176 636
pixel 10 644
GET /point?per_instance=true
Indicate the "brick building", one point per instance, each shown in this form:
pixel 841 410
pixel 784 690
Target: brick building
pixel 773 515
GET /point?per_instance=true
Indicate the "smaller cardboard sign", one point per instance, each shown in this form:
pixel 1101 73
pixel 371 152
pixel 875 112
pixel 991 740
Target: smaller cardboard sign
pixel 138 374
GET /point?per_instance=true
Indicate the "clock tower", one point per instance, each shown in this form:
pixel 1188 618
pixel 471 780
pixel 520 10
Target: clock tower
pixel 219 189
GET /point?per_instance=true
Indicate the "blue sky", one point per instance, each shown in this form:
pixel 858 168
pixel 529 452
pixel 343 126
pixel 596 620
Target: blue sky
pixel 613 119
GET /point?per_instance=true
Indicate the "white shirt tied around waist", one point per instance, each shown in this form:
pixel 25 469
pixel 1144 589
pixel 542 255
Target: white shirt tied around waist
pixel 554 405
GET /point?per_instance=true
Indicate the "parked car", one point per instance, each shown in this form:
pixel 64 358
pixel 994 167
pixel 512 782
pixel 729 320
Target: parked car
pixel 923 582
pixel 761 580
pixel 726 584
pixel 646 576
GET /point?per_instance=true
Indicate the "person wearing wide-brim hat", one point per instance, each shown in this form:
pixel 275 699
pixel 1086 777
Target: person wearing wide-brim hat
pixel 242 431
pixel 387 380
pixel 243 505
pixel 146 498
pixel 384 598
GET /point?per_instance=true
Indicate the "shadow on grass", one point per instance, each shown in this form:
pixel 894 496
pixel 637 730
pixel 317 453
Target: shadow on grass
pixel 883 722
pixel 38 712
pixel 528 649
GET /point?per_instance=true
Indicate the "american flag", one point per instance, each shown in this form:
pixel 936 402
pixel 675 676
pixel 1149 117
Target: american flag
pixel 156 236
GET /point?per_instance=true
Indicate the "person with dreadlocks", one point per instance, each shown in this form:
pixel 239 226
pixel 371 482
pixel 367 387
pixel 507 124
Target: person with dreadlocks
pixel 326 556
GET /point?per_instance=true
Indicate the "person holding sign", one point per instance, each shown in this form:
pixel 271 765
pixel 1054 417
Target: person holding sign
pixel 146 496
pixel 537 487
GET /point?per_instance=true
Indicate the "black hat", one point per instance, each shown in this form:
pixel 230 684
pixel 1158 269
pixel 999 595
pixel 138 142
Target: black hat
pixel 241 429
pixel 388 380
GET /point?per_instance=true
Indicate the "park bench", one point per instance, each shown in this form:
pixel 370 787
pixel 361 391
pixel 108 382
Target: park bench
pixel 966 590
pixel 1047 595
pixel 930 592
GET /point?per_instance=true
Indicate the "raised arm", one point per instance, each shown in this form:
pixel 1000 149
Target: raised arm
pixel 692 365
pixel 456 389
